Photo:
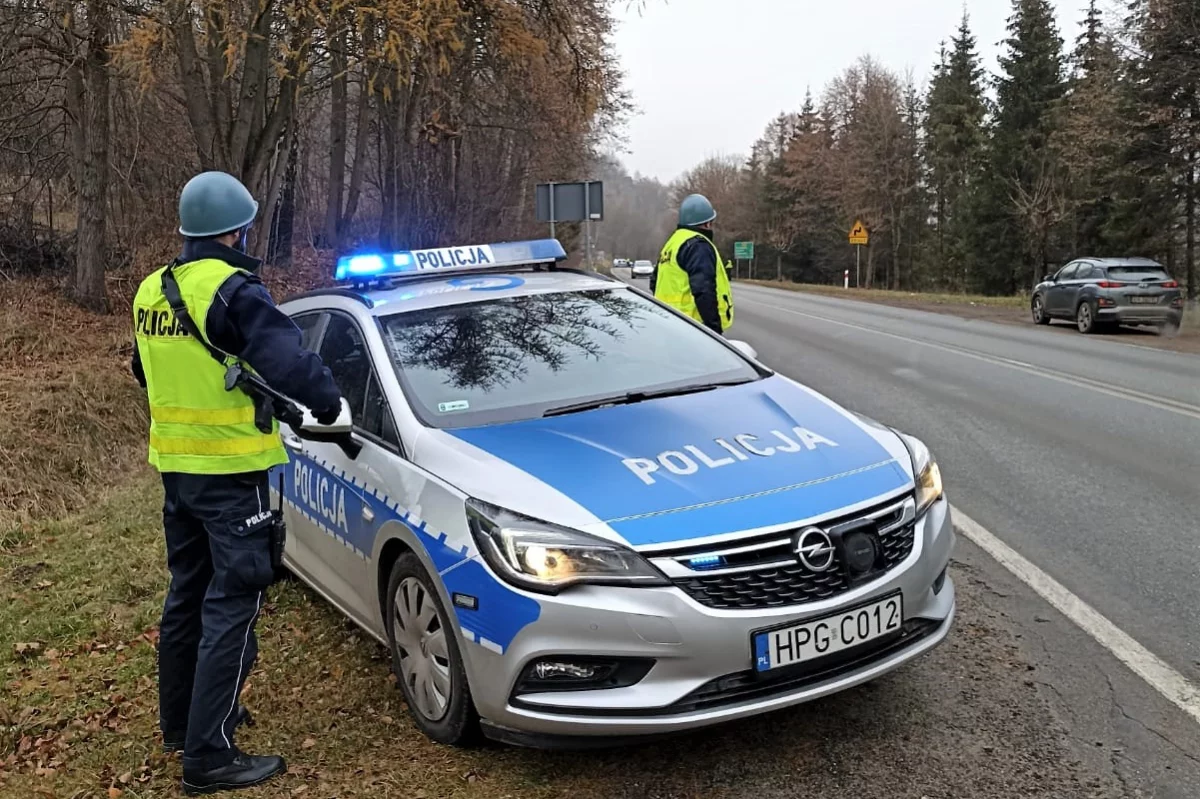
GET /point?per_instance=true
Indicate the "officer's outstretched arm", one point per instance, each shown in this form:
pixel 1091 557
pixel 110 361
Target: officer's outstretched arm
pixel 271 343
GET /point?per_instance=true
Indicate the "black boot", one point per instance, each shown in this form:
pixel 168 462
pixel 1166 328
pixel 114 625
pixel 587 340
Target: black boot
pixel 173 744
pixel 245 771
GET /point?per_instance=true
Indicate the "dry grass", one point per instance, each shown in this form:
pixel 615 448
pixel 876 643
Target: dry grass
pixel 74 420
pixel 897 297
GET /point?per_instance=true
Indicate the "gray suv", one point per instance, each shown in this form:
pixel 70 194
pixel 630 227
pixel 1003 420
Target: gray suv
pixel 1098 292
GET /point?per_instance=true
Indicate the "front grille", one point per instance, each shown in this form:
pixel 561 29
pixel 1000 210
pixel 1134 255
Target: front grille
pixel 764 588
pixel 765 573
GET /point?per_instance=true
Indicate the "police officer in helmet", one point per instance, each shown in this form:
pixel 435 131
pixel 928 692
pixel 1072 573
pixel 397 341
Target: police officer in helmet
pixel 210 446
pixel 691 276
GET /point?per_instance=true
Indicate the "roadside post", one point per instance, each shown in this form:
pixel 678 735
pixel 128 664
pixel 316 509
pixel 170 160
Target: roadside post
pixel 571 202
pixel 859 238
pixel 846 279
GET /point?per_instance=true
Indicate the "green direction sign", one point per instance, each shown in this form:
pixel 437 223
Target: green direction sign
pixel 743 250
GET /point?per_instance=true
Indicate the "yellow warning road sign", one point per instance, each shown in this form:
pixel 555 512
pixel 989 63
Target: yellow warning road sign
pixel 858 233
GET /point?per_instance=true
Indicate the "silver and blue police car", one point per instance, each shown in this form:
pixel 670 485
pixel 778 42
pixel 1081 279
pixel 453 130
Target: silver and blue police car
pixel 576 516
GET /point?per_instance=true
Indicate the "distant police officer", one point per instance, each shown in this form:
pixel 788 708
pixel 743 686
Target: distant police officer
pixel 213 453
pixel 690 275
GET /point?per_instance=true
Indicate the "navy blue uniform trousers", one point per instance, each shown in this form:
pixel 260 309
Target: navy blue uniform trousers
pixel 219 554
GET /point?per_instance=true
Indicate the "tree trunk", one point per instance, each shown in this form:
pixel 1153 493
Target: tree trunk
pixel 262 245
pixel 87 288
pixel 279 252
pixel 389 116
pixel 362 129
pixel 1190 231
pixel 337 142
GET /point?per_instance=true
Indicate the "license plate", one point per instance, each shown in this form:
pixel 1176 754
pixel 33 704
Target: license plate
pixel 787 646
pixel 1143 300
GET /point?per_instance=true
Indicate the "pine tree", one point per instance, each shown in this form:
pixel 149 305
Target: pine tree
pixel 1166 79
pixel 954 139
pixel 1022 198
pixel 1092 142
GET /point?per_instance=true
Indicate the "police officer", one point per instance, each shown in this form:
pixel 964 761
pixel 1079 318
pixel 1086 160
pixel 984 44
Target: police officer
pixel 214 461
pixel 691 276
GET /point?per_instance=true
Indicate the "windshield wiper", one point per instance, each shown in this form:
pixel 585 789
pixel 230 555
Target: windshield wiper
pixel 631 397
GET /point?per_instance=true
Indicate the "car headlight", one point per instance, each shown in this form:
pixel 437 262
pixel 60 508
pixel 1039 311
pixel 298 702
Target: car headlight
pixel 547 558
pixel 925 469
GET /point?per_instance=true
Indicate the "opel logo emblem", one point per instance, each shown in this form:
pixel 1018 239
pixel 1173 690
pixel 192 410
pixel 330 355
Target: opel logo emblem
pixel 815 549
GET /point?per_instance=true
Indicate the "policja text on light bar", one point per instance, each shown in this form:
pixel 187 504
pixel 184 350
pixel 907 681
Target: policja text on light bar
pixel 474 257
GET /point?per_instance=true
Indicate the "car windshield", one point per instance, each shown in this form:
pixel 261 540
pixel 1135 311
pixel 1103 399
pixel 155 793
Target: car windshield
pixel 1137 272
pixel 516 358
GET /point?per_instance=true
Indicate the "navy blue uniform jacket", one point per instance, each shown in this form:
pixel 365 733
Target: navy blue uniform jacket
pixel 698 258
pixel 244 322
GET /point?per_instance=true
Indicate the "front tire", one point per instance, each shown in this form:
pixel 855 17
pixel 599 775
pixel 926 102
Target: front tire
pixel 426 658
pixel 1040 317
pixel 1085 318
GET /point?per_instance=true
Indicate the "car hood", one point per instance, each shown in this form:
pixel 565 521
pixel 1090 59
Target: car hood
pixel 688 468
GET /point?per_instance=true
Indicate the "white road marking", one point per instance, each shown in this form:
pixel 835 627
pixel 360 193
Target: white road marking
pixel 1161 677
pixel 1162 403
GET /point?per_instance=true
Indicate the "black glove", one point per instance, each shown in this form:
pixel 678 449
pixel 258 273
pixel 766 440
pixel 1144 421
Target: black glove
pixel 329 415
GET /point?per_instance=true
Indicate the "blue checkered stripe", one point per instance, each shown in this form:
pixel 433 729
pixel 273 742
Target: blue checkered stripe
pixel 501 612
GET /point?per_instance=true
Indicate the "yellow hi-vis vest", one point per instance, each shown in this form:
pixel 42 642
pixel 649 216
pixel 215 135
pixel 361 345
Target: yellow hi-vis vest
pixel 196 426
pixel 672 286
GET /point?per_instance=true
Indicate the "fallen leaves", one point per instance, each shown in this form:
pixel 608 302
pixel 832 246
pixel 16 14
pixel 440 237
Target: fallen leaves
pixel 27 649
pixel 308 743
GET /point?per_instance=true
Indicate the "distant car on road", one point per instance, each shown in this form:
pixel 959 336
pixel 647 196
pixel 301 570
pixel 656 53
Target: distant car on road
pixel 1104 292
pixel 621 263
pixel 643 269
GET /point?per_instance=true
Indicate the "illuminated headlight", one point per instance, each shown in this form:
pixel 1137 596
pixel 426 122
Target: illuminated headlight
pixel 925 469
pixel 547 558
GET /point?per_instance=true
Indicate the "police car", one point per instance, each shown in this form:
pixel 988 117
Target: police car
pixel 565 536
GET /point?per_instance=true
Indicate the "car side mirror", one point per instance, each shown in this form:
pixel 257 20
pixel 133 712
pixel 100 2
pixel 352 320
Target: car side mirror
pixel 341 426
pixel 744 349
pixel 337 433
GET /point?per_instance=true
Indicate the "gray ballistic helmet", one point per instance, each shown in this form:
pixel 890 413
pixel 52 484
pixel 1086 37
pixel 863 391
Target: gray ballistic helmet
pixel 213 204
pixel 695 210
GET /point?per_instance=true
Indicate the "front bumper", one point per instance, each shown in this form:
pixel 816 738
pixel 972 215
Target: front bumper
pixel 703 672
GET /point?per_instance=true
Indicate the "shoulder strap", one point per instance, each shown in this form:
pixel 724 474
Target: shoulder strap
pixel 170 289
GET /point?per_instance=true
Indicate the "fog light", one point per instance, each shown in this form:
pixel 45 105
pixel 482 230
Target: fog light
pixel 552 669
pixel 567 673
pixel 939 582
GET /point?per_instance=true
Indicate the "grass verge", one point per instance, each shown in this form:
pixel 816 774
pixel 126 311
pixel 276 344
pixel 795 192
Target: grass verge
pixel 889 297
pixel 79 711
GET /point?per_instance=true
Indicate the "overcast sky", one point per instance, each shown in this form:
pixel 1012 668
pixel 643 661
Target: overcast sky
pixel 708 75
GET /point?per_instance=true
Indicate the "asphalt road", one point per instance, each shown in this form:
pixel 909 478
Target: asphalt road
pixel 1081 453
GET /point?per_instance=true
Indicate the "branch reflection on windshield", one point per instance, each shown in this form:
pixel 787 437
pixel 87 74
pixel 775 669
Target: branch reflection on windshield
pixel 496 342
pixel 513 357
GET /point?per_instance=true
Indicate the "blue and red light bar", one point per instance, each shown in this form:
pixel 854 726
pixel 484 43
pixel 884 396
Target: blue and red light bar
pixel 364 267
